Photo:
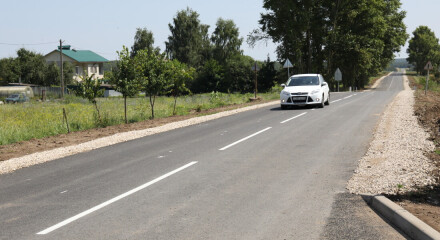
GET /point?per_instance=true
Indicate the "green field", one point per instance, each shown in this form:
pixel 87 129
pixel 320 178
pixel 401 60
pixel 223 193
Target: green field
pixel 20 122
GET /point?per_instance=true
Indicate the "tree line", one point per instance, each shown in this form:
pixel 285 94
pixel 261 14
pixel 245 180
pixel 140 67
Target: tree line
pixel 31 68
pixel 217 59
pixel 358 36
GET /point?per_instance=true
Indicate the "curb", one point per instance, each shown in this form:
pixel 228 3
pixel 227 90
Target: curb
pixel 404 220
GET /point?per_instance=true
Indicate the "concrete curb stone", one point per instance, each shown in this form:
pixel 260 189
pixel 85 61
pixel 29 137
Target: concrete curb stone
pixel 404 220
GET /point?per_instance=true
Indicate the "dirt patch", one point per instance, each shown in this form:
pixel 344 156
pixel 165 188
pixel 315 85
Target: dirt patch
pixel 38 145
pixel 425 203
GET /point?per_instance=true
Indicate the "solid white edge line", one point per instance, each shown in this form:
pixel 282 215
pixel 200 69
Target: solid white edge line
pixel 293 117
pixel 78 216
pixel 244 139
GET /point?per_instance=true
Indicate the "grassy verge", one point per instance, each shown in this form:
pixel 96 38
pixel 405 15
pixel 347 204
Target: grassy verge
pixel 373 79
pixel 420 82
pixel 20 122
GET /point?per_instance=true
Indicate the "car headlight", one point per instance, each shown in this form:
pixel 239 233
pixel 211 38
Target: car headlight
pixel 285 93
pixel 315 91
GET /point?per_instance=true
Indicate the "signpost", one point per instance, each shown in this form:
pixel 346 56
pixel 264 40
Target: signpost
pixel 427 67
pixel 288 65
pixel 338 76
pixel 255 68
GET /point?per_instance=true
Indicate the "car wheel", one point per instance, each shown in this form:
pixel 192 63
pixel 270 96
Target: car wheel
pixel 328 100
pixel 321 105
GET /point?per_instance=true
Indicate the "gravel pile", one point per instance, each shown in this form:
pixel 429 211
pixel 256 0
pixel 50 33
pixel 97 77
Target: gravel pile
pixel 41 157
pixel 395 161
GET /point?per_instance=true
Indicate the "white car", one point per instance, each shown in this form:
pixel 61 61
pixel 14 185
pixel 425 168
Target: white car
pixel 305 89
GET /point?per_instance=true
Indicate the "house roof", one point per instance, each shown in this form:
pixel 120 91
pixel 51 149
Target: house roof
pixel 83 55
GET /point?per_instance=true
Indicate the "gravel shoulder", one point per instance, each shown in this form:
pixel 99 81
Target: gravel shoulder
pixel 397 163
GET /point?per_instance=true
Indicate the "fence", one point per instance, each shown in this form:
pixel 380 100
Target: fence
pixel 38 91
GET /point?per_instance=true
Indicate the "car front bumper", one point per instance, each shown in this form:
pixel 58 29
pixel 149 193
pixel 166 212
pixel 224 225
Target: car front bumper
pixel 300 100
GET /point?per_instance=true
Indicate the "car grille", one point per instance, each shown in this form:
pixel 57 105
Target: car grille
pixel 299 93
pixel 299 100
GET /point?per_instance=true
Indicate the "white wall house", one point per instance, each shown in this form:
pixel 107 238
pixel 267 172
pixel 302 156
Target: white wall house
pixel 82 61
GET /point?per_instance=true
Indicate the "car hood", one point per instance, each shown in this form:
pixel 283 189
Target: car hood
pixel 295 89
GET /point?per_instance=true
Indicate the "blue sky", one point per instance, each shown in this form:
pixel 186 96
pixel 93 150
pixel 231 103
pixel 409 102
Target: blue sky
pixel 104 26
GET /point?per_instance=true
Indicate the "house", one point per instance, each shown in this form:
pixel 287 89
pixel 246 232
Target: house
pixel 82 61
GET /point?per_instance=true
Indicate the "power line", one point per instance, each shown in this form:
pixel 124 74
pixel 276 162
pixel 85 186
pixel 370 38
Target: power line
pixel 19 44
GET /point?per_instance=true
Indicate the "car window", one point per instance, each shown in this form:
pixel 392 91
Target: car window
pixel 303 81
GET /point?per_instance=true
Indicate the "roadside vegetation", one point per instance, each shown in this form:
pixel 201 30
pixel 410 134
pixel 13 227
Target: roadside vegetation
pixel 20 122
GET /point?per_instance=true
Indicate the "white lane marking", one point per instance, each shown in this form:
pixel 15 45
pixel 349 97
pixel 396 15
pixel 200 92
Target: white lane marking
pixel 344 98
pixel 104 204
pixel 63 192
pixel 392 79
pixel 244 139
pixel 293 117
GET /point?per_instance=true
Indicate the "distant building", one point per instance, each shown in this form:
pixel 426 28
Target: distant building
pixel 82 61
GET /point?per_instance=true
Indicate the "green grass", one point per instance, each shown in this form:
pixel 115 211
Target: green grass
pixel 20 122
pixel 372 79
pixel 433 84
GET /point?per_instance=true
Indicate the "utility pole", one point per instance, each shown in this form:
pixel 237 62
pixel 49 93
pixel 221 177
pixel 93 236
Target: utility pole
pixel 256 69
pixel 62 75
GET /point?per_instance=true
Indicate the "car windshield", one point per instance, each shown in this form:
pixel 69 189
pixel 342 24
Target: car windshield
pixel 14 96
pixel 303 81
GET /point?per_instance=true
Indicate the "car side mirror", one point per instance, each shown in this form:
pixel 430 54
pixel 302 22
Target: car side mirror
pixel 323 84
pixel 283 85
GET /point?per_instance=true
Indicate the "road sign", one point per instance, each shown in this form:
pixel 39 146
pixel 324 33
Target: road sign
pixel 255 67
pixel 288 64
pixel 428 66
pixel 338 75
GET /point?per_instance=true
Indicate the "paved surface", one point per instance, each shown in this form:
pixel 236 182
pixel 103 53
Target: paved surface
pixel 352 218
pixel 263 174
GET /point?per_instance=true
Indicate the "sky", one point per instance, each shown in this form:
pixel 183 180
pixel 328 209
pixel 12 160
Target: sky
pixel 105 26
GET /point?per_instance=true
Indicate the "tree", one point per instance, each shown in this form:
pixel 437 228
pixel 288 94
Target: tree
pixel 239 76
pixel 31 67
pixel 267 76
pixel 226 40
pixel 8 71
pixel 123 77
pixel 67 73
pixel 90 89
pixel 299 28
pixel 52 75
pixel 179 75
pixel 209 77
pixel 189 41
pixel 151 73
pixel 423 47
pixel 142 40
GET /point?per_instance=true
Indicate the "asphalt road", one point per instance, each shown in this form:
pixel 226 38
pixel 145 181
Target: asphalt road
pixel 262 174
